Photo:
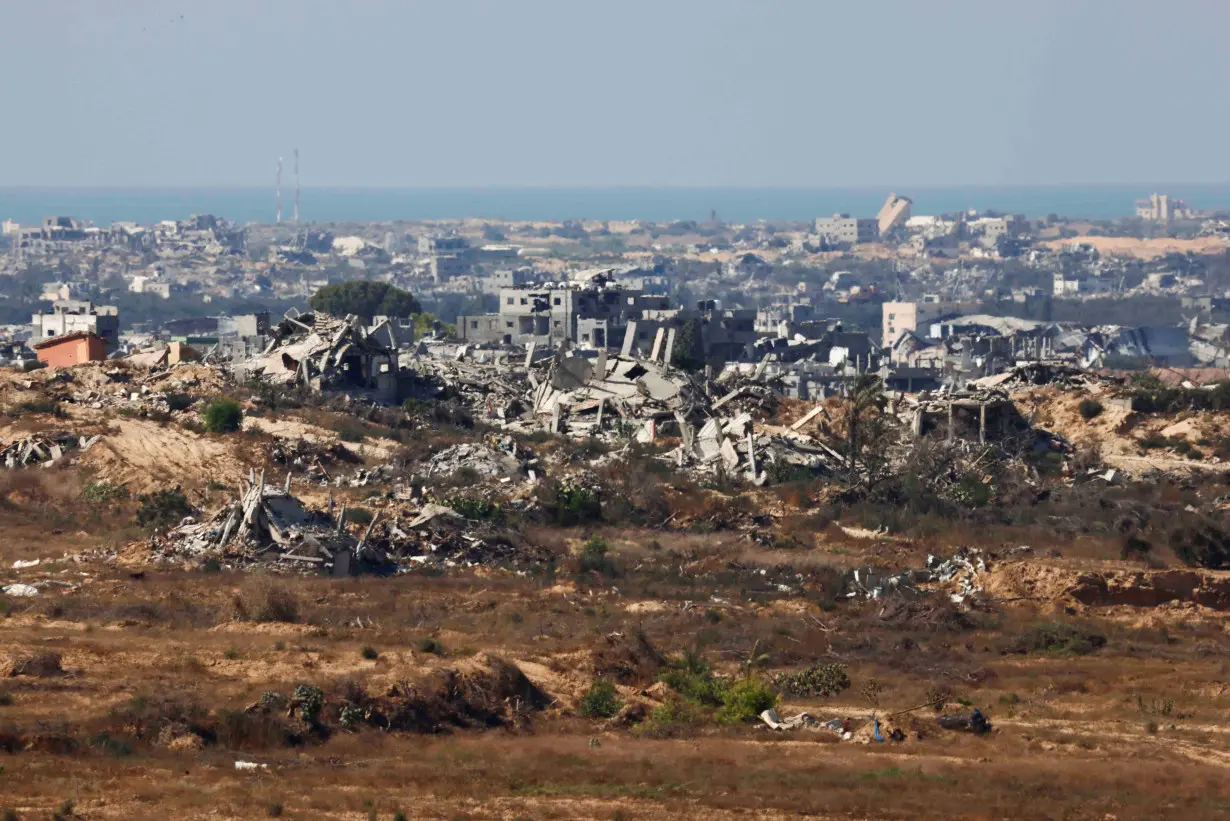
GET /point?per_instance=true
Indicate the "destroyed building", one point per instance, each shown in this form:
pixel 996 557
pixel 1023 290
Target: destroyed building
pixel 596 315
pixel 327 354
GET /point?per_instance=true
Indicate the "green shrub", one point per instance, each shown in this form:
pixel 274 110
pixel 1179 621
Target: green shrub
pixel 65 811
pixel 104 493
pixel 223 415
pixel 1090 409
pixel 819 680
pixel 672 717
pixel 370 653
pixel 32 406
pixel 350 716
pixel 163 508
pixel 601 700
pixel 575 506
pixel 1201 544
pixel 595 558
pixel 477 508
pixel 310 701
pixel 972 492
pixel 745 700
pixel 359 515
pixel 1058 637
pixel 692 678
pixel 351 432
pixel 179 401
pixel 430 645
pixel 112 746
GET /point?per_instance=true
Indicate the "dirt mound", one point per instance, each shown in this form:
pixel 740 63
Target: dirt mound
pixel 630 660
pixel 1151 589
pixel 41 665
pixel 498 695
pixel 1062 586
pixel 145 455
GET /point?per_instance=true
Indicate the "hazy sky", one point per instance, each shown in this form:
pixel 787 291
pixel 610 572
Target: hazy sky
pixel 599 92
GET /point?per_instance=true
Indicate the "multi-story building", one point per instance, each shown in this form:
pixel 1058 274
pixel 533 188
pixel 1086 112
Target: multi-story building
pixel 844 229
pixel 992 228
pixel 71 316
pixel 445 268
pixel 907 317
pixel 894 213
pixel 1070 285
pixel 594 316
pixel 1161 208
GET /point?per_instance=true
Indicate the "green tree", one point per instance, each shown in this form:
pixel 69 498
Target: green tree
pixel 366 299
pixel 866 431
pixel 687 354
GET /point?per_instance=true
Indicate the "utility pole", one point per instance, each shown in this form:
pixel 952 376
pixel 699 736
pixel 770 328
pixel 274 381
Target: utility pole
pixel 278 186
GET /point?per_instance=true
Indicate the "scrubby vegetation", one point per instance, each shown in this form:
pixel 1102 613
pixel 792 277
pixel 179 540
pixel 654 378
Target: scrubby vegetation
pixel 222 415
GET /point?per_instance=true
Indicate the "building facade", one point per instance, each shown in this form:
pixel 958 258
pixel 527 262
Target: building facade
pixel 844 229
pixel 77 316
pixel 71 349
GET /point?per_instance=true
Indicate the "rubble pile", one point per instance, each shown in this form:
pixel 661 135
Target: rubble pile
pixel 617 398
pixel 441 537
pixel 326 353
pixel 1035 374
pixel 959 572
pixel 482 460
pixel 45 449
pixel 309 457
pixel 266 522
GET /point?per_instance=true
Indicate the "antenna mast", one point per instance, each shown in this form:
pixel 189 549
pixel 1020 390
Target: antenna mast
pixel 278 185
pixel 296 185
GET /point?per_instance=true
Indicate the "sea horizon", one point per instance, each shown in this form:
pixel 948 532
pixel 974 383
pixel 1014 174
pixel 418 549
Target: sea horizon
pixel 103 205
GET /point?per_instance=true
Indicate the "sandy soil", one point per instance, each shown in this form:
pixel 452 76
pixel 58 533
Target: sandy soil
pixel 1146 248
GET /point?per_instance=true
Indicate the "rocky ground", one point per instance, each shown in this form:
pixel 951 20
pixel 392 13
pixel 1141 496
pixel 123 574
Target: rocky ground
pixel 138 681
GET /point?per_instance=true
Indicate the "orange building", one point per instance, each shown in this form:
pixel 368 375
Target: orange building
pixel 72 349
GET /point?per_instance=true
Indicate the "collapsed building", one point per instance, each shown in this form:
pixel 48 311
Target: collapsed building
pixel 600 314
pixel 326 354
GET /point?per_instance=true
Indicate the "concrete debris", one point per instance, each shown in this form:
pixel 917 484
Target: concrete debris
pixel 44 449
pixel 327 354
pixel 20 591
pixel 310 458
pixel 802 720
pixel 960 572
pixel 482 460
pixel 269 523
pixel 1034 374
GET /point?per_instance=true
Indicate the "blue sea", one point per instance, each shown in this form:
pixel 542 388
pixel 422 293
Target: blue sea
pixel 103 206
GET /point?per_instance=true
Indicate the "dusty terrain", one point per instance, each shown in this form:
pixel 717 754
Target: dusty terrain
pixel 132 687
pixel 1145 248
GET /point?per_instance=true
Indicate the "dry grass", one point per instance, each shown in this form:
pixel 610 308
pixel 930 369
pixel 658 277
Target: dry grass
pixel 168 675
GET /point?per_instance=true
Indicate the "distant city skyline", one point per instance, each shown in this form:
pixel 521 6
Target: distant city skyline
pixel 551 93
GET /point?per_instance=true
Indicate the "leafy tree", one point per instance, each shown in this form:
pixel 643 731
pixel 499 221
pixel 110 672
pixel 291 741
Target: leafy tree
pixel 365 298
pixel 866 431
pixel 687 354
